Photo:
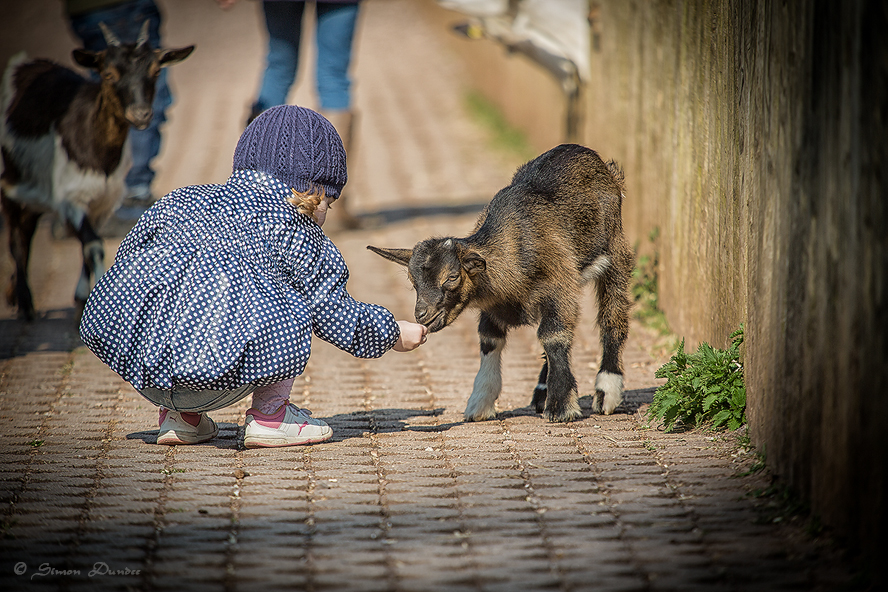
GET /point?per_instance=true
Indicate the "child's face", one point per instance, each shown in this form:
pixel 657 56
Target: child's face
pixel 320 213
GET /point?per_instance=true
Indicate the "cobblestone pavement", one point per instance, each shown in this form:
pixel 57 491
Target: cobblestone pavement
pixel 406 496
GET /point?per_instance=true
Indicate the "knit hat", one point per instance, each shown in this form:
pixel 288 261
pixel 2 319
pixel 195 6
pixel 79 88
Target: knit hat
pixel 295 145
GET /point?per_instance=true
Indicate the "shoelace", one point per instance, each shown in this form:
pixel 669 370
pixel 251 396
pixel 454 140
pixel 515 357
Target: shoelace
pixel 300 409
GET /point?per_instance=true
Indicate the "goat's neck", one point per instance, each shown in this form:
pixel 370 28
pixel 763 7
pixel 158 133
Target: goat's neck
pixel 109 119
pixel 498 283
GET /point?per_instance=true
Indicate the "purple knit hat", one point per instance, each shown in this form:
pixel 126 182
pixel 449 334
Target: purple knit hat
pixel 297 146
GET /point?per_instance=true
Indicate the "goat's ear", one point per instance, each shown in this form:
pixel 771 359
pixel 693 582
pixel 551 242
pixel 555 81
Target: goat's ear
pixel 472 261
pixel 87 59
pixel 401 256
pixel 168 57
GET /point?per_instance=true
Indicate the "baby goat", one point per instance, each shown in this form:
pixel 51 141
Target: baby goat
pixel 534 247
pixel 64 146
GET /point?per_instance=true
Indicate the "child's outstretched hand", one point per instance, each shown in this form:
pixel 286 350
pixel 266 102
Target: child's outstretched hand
pixel 412 336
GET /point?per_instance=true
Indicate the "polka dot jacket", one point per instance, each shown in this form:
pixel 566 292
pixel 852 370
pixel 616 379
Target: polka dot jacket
pixel 218 286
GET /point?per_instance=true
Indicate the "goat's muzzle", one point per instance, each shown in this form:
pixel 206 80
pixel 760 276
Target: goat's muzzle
pixel 139 117
pixel 435 320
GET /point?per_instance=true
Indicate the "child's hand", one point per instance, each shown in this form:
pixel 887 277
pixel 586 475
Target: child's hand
pixel 412 336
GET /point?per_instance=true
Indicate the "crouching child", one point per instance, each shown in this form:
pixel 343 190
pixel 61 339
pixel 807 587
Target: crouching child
pixel 215 293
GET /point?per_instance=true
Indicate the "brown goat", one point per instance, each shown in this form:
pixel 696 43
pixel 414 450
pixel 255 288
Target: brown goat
pixel 536 244
pixel 64 147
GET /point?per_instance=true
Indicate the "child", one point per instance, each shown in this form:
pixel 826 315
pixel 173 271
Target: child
pixel 216 291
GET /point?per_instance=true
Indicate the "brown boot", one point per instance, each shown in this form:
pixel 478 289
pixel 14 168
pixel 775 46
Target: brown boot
pixel 343 121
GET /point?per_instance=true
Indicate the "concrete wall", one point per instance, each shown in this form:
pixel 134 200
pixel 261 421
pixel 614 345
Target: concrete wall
pixel 754 134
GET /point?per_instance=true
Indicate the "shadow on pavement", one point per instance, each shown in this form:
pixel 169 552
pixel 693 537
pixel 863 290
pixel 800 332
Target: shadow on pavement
pixel 380 421
pixel 51 331
pixel 345 426
pixel 394 215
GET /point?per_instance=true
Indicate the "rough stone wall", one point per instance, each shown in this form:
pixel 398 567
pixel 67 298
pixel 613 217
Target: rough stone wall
pixel 754 135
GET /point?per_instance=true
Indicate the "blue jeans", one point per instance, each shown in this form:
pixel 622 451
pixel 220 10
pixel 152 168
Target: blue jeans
pixel 335 33
pixel 125 20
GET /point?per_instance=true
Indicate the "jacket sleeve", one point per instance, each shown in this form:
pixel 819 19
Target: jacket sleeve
pixel 361 329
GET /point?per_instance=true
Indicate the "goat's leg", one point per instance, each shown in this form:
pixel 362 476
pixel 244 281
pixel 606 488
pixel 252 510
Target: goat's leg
pixel 93 259
pixel 541 391
pixel 489 380
pixel 613 322
pixel 556 335
pixel 22 224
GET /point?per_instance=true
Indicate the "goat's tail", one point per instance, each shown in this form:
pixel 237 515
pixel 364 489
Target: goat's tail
pixel 7 91
pixel 616 172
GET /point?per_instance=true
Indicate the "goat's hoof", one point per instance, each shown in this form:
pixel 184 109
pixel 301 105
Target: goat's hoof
pixel 606 403
pixel 571 412
pixel 480 415
pixel 565 417
pixel 539 400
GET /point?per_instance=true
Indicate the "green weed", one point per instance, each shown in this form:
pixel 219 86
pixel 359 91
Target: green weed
pixel 703 387
pixel 645 291
pixel 504 136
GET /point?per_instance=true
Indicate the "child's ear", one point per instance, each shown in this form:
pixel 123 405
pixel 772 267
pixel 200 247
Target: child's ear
pixel 400 256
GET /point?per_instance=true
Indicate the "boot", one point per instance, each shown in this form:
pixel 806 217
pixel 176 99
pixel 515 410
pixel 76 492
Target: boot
pixel 343 121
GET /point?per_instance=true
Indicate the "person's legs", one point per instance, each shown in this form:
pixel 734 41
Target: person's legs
pixel 284 23
pixel 182 412
pixel 273 421
pixel 181 427
pixel 125 20
pixel 335 34
pixel 269 399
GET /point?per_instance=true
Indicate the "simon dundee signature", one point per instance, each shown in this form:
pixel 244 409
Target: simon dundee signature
pixel 98 569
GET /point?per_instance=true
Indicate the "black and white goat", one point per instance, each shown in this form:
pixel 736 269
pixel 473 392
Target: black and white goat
pixel 539 241
pixel 64 146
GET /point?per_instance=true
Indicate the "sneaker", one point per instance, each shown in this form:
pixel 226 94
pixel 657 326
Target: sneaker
pixel 176 429
pixel 290 426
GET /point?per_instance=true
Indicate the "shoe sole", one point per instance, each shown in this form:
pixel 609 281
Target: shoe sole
pixel 259 442
pixel 171 438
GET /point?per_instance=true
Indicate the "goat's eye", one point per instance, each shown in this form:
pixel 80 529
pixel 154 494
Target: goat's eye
pixel 452 283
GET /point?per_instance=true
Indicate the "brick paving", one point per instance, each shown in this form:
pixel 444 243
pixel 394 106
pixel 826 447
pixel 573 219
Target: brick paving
pixel 406 496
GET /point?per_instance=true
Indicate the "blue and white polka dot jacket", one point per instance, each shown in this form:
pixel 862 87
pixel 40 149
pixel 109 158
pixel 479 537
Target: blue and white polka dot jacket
pixel 218 286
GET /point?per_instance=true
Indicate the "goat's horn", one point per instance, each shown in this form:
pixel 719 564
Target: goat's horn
pixel 110 38
pixel 143 35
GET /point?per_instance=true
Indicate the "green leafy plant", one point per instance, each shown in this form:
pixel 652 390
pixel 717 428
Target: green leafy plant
pixel 705 386
pixel 644 288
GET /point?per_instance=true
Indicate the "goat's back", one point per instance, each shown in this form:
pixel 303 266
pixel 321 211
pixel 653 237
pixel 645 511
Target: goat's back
pixel 564 203
pixel 36 95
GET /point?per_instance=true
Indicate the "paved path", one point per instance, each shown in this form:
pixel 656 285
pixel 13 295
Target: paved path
pixel 406 496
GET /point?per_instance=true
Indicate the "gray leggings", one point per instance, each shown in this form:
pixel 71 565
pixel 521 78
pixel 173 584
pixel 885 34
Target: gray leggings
pixel 196 401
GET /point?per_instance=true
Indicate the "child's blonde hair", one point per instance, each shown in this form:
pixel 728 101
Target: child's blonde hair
pixel 307 201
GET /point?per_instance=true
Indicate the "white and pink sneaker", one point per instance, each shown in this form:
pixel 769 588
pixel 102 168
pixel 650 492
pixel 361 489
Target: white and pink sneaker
pixel 185 428
pixel 289 426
